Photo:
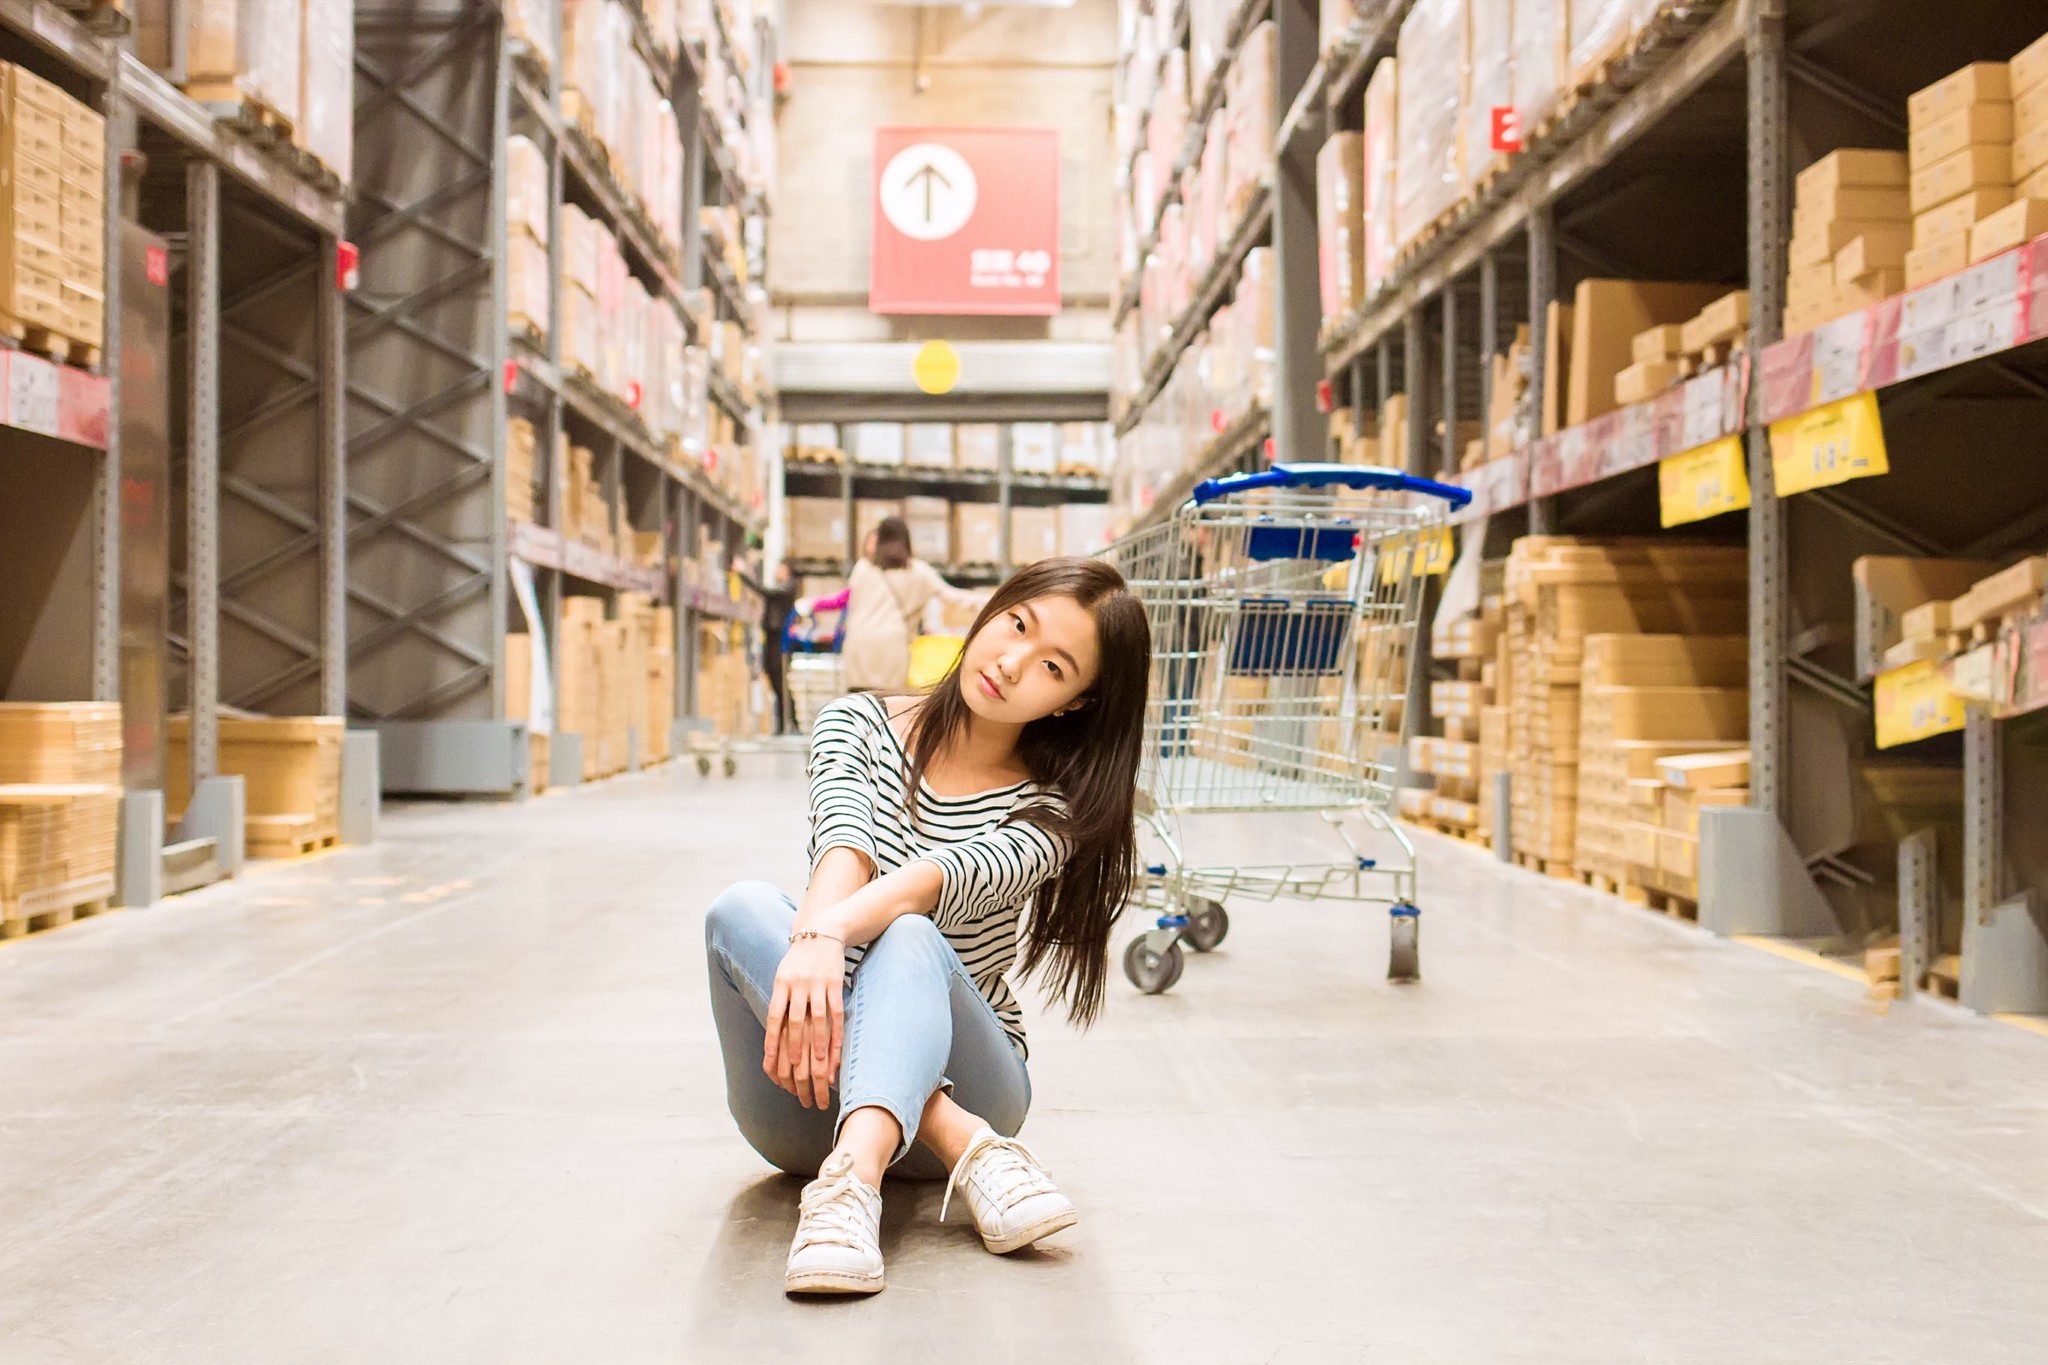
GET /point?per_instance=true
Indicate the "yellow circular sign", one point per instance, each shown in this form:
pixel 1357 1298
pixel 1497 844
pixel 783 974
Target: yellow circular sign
pixel 936 367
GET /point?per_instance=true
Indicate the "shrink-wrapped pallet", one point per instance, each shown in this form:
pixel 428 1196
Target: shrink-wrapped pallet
pixel 1381 166
pixel 1426 175
pixel 1340 222
pixel 1489 84
pixel 1538 49
pixel 327 84
pixel 236 51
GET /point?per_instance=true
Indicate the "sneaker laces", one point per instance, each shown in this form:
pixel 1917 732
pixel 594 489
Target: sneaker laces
pixel 1020 1174
pixel 832 1210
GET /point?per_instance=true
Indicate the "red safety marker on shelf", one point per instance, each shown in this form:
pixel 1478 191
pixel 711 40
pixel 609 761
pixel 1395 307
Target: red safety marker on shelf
pixel 1326 397
pixel 348 261
pixel 1505 127
pixel 633 395
pixel 1267 446
pixel 1219 420
pixel 156 265
pixel 511 375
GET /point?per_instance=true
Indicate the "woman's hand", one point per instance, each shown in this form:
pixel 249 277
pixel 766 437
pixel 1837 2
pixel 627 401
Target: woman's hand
pixel 806 1020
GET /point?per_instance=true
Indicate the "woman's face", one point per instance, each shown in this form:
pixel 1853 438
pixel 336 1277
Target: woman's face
pixel 1030 661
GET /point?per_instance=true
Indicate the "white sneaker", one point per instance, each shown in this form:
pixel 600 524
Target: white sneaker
pixel 837 1249
pixel 1012 1201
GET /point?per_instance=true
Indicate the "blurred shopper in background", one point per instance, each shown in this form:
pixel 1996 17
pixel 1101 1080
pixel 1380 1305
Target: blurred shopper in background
pixel 884 601
pixel 777 588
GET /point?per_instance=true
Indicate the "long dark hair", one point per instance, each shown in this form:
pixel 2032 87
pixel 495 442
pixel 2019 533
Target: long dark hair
pixel 1088 758
pixel 892 543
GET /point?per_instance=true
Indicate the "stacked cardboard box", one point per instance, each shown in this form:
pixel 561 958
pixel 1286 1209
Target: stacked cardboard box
pixel 290 768
pixel 1084 528
pixel 977 446
pixel 1340 222
pixel 1670 353
pixel 1034 534
pixel 1643 699
pixel 241 52
pixel 609 92
pixel 1606 318
pixel 1661 839
pixel 52 210
pixel 977 533
pixel 1560 590
pixel 1035 448
pixel 528 216
pixel 1382 181
pixel 586 511
pixel 60 794
pixel 1250 119
pixel 1960 132
pixel 1850 234
pixel 931 528
pixel 869 513
pixel 327 84
pixel 817 528
pixel 520 469
pixel 724 681
pixel 1942 626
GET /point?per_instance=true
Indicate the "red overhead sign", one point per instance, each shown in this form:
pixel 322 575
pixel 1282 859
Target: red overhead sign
pixel 966 220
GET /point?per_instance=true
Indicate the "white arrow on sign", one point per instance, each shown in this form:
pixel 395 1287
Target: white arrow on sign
pixel 928 191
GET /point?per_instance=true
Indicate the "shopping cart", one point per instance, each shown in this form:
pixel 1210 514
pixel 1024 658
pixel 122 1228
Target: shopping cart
pixel 1284 607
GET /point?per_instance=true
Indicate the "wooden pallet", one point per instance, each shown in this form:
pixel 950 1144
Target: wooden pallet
pixel 55 906
pixel 1549 867
pixel 231 104
pixel 1676 906
pixel 286 836
pixel 1945 977
pixel 50 345
pixel 1464 834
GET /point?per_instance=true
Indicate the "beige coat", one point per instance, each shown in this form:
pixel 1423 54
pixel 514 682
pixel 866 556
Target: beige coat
pixel 884 613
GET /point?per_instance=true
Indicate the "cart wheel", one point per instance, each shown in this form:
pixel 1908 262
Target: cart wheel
pixel 1207 926
pixel 1404 951
pixel 1152 972
pixel 732 765
pixel 703 766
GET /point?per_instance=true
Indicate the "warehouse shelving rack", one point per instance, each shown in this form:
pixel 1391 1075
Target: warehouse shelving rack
pixel 1000 382
pixel 1681 168
pixel 243 491
pixel 435 373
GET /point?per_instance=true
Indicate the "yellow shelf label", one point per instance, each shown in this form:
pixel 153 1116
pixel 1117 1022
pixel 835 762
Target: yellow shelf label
pixel 1831 444
pixel 1703 482
pixel 1913 703
pixel 1434 555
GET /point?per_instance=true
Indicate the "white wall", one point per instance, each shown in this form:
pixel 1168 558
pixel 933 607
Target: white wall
pixel 856 66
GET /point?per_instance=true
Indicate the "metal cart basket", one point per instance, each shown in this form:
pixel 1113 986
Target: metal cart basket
pixel 1284 607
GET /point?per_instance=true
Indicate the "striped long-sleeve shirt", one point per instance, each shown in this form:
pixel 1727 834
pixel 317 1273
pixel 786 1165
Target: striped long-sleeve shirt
pixel 991 866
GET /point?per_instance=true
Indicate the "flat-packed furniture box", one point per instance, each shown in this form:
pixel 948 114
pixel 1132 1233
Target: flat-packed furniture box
pixel 290 768
pixel 977 533
pixel 817 528
pixel 1559 591
pixel 57 844
pixel 68 742
pixel 1034 534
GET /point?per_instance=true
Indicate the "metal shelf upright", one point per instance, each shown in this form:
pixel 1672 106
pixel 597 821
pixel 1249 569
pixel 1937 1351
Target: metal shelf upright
pixel 436 373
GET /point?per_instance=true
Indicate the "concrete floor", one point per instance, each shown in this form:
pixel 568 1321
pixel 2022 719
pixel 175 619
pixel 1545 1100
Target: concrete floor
pixel 455 1098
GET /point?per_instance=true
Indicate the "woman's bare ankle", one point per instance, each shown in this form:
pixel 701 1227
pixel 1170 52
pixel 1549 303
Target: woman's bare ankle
pixel 946 1129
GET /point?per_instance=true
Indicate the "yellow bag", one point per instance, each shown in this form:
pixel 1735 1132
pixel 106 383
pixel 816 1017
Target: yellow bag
pixel 931 658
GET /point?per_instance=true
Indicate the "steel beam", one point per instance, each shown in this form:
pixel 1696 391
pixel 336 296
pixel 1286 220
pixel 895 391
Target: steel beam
pixel 332 345
pixel 1542 292
pixel 1764 46
pixel 202 465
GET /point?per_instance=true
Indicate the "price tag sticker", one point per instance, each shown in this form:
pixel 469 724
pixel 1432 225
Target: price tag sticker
pixel 1829 445
pixel 1915 703
pixel 1696 484
pixel 32 393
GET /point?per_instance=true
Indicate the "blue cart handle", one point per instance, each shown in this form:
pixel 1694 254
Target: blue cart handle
pixel 1322 475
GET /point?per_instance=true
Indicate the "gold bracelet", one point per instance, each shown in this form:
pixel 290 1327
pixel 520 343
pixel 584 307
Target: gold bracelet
pixel 813 933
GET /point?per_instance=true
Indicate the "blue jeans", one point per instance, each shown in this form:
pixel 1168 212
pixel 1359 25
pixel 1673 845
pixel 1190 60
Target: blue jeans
pixel 914 1023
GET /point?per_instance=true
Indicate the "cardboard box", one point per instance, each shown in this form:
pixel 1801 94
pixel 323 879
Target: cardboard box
pixel 1607 315
pixel 1034 534
pixel 2006 591
pixel 1879 202
pixel 1846 166
pixel 1969 169
pixel 1658 343
pixel 931 528
pixel 1960 214
pixel 2014 225
pixel 1868 289
pixel 2030 152
pixel 1034 447
pixel 1944 256
pixel 2034 186
pixel 1723 320
pixel 928 445
pixel 1340 222
pixel 1888 586
pixel 817 528
pixel 977 446
pixel 1925 621
pixel 1084 527
pixel 2030 109
pixel 875 442
pixel 1644 380
pixel 1664 660
pixel 1977 83
pixel 1818 245
pixel 2028 69
pixel 1710 771
pixel 1881 249
pixel 977 533
pixel 1953 132
pixel 868 513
